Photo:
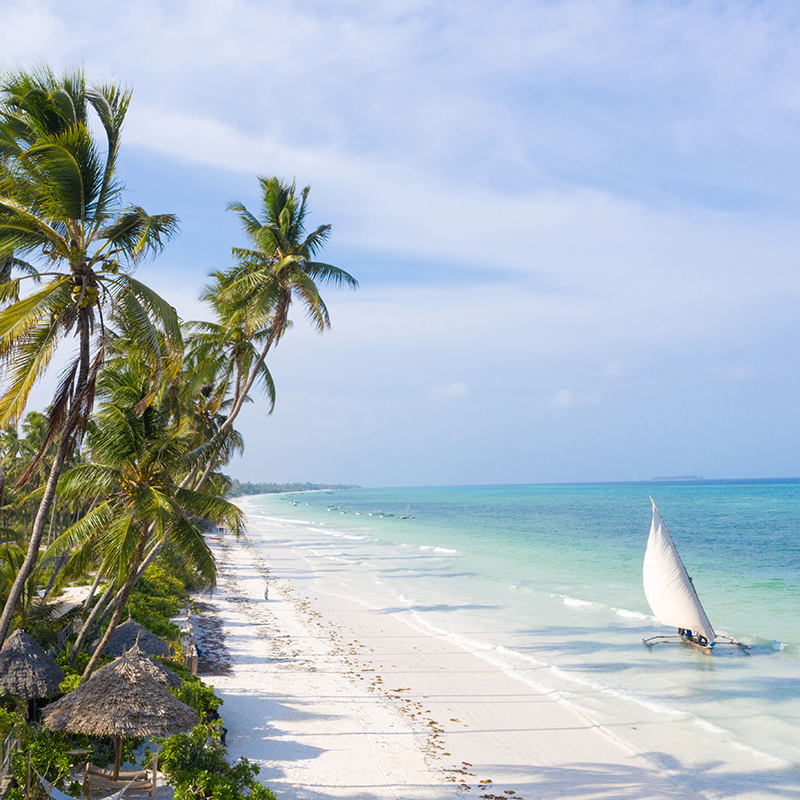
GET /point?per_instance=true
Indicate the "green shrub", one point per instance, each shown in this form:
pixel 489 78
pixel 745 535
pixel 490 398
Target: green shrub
pixel 195 765
pixel 48 755
pixel 48 758
pixel 71 682
pixel 158 596
pixel 10 720
pixel 200 696
pixel 81 661
pixel 154 613
pixel 182 671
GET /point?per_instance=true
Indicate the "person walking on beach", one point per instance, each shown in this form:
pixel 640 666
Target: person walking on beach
pixel 266 591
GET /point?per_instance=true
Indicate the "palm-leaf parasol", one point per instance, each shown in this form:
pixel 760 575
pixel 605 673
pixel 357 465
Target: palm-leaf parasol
pixel 120 700
pixel 26 670
pixel 154 669
pixel 130 633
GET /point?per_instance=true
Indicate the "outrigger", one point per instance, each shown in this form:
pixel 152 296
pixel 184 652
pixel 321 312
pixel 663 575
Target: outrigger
pixel 672 596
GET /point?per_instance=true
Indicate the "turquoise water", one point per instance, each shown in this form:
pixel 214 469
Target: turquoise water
pixel 545 581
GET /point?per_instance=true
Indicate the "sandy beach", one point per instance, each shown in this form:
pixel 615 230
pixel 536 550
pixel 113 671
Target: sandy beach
pixel 333 699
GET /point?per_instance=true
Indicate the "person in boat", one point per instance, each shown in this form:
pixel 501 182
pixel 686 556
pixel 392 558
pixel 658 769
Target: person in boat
pixel 686 633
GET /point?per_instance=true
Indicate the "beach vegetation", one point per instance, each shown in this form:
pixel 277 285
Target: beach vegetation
pixel 156 598
pixel 9 720
pixel 49 757
pixel 200 696
pixel 196 766
pixel 34 613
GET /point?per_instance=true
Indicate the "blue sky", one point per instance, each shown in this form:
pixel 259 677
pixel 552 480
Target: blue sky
pixel 575 224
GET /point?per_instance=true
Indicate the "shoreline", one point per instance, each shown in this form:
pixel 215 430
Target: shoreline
pixel 333 698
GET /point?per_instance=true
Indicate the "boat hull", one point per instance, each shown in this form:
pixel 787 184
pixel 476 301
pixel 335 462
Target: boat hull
pixel 704 648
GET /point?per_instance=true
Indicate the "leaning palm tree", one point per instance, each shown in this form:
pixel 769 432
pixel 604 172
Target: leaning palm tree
pixel 61 207
pixel 277 269
pixel 138 460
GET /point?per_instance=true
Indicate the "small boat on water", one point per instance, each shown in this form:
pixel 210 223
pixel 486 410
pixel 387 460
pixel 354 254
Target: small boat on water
pixel 672 596
pixel 407 515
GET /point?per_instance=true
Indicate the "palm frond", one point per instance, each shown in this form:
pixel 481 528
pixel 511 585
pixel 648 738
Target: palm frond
pixel 188 540
pixel 27 362
pixel 212 508
pixel 88 480
pixel 327 273
pixel 136 235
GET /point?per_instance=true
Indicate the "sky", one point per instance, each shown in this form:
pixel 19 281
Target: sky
pixel 574 224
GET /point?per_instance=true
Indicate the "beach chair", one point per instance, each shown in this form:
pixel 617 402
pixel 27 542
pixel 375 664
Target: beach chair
pixel 98 783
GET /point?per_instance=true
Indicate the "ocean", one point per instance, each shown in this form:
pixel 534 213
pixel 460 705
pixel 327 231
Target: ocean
pixel 546 582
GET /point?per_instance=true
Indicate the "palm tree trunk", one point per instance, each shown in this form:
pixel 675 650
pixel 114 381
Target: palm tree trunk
pixel 52 523
pixel 126 591
pixel 36 537
pixel 88 601
pixel 64 444
pixel 204 477
pixel 88 625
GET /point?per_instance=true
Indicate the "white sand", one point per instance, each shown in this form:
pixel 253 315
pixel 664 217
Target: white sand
pixel 334 699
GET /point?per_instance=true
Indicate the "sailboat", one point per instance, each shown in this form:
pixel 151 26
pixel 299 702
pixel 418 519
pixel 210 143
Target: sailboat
pixel 672 596
pixel 408 514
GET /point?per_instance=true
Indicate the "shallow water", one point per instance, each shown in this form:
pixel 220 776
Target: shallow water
pixel 545 581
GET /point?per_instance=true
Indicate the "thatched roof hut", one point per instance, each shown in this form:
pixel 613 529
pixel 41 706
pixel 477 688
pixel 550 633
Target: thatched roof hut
pixel 26 670
pixel 128 634
pixel 152 668
pixel 120 700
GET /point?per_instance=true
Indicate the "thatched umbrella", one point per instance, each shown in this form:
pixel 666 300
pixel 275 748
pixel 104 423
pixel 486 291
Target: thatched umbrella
pixel 120 700
pixel 155 669
pixel 128 634
pixel 27 671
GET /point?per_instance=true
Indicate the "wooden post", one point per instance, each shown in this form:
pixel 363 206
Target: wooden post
pixel 154 779
pixel 118 759
pixel 28 779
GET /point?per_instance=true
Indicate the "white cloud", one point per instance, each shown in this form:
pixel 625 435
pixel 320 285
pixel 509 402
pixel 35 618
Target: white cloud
pixel 567 398
pixel 613 369
pixel 450 391
pixel 739 373
pixel 563 398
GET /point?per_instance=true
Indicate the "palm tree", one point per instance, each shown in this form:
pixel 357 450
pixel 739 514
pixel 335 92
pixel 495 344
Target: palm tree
pixel 219 361
pixel 11 448
pixel 60 203
pixel 255 296
pixel 137 463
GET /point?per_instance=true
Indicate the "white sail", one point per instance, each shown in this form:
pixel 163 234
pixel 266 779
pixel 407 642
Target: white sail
pixel 667 586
